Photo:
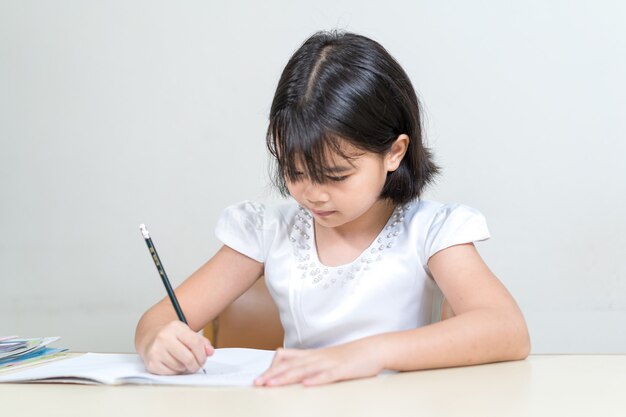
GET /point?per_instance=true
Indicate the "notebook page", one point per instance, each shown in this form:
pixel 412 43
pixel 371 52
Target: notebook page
pixel 227 367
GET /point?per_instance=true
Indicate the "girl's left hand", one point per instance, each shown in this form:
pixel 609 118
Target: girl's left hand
pixel 321 366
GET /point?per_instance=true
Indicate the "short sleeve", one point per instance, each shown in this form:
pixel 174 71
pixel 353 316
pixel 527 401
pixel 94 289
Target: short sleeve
pixel 240 227
pixel 454 224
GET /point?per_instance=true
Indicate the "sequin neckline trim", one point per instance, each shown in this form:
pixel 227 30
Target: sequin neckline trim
pixel 312 270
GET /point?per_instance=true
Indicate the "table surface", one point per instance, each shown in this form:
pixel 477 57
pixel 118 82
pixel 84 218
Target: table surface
pixel 542 385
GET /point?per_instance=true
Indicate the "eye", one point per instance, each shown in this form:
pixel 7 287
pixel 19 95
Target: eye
pixel 337 179
pixel 296 176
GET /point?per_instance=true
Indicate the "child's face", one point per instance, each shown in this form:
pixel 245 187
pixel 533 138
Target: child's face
pixel 351 188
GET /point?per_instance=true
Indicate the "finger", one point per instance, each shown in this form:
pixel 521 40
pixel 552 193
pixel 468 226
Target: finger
pixel 158 367
pixel 166 365
pixel 289 355
pixel 208 348
pixel 277 365
pixel 290 370
pixel 293 375
pixel 196 345
pixel 184 356
pixel 160 361
pixel 324 377
pixel 163 370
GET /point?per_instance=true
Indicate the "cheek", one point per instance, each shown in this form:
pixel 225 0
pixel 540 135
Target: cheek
pixel 374 181
pixel 294 188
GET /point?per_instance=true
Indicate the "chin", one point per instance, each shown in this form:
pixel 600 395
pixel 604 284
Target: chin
pixel 329 221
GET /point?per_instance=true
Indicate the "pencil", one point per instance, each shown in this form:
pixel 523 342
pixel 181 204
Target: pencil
pixel 166 281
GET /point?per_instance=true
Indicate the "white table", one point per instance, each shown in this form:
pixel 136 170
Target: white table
pixel 542 385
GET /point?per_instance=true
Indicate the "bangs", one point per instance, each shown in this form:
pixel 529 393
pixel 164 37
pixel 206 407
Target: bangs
pixel 303 145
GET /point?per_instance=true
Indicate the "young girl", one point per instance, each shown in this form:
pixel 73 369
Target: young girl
pixel 358 265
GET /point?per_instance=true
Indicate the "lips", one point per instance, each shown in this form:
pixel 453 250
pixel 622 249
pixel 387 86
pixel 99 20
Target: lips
pixel 323 213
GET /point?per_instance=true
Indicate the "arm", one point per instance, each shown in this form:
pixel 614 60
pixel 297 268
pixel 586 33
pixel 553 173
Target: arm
pixel 167 345
pixel 487 327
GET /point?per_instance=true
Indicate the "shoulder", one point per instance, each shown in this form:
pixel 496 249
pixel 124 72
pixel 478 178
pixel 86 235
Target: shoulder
pixel 426 213
pixel 260 215
pixel 437 226
pixel 254 228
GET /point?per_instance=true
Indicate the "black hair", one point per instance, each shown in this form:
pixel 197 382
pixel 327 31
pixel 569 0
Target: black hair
pixel 343 86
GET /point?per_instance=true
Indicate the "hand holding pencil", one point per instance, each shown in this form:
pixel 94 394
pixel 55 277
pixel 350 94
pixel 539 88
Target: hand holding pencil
pixel 176 348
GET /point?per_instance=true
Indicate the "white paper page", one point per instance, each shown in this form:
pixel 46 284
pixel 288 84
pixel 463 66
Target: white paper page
pixel 227 367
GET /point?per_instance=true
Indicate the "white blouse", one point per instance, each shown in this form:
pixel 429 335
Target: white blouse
pixel 387 288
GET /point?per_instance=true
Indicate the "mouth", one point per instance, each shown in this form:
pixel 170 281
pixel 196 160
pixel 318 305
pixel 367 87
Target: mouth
pixel 323 213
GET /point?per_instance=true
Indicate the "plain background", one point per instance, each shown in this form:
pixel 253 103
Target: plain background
pixel 118 113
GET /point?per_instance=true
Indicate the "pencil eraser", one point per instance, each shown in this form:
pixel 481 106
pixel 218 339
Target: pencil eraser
pixel 144 231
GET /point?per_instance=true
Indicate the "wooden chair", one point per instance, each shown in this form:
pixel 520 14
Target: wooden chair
pixel 251 321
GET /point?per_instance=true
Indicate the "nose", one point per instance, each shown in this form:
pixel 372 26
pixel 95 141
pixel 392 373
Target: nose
pixel 315 193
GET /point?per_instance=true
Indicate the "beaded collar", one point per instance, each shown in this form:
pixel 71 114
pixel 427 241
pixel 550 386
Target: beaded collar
pixel 302 239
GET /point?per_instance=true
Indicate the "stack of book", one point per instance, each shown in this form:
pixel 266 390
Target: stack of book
pixel 16 353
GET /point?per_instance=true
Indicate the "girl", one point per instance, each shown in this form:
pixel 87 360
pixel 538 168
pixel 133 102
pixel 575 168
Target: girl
pixel 358 263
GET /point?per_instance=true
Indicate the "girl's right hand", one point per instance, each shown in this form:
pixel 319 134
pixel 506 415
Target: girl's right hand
pixel 176 349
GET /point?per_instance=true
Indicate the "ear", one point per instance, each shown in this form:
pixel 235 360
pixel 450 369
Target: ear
pixel 396 152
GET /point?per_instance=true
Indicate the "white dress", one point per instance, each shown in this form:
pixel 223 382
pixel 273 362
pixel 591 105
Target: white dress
pixel 387 288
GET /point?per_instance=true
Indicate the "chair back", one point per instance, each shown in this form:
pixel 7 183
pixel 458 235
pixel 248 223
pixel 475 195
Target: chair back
pixel 251 321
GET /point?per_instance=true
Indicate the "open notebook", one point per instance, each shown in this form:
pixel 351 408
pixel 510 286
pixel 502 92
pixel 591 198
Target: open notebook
pixel 227 367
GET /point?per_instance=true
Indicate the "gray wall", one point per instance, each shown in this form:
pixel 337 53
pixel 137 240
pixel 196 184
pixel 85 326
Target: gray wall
pixel 117 113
